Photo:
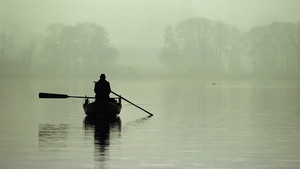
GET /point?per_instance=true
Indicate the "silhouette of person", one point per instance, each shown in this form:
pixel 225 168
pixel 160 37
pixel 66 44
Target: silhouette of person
pixel 102 89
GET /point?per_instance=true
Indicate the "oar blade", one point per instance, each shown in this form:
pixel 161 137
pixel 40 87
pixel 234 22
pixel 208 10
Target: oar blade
pixel 52 96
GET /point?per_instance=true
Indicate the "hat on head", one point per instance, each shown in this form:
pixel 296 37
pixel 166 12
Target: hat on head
pixel 102 76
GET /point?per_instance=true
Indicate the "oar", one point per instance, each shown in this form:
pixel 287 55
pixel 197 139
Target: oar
pixel 132 103
pixel 59 96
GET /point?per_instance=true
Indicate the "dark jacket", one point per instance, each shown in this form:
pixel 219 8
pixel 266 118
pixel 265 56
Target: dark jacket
pixel 102 89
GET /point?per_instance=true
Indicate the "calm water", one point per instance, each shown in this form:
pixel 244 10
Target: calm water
pixel 197 124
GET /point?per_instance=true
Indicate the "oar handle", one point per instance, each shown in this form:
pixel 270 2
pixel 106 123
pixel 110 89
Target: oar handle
pixel 132 103
pixel 82 97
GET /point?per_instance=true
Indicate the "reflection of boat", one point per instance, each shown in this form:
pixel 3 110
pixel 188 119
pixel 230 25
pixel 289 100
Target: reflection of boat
pixel 103 109
pixel 92 123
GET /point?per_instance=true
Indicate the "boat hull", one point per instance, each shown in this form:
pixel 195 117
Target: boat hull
pixel 102 109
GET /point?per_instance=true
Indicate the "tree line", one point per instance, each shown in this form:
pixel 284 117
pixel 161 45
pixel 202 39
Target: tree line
pixel 207 48
pixel 63 50
pixel 196 46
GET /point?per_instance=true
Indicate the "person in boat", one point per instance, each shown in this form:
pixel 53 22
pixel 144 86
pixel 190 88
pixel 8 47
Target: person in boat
pixel 102 88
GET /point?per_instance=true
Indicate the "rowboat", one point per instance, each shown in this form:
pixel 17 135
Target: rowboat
pixel 103 109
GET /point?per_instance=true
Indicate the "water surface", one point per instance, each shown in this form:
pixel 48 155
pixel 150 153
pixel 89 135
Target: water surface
pixel 197 124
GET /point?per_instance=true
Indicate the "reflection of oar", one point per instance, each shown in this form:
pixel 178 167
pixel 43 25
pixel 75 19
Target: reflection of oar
pixel 132 103
pixel 59 96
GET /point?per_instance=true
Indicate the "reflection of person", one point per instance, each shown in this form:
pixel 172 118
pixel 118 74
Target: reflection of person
pixel 102 88
pixel 103 129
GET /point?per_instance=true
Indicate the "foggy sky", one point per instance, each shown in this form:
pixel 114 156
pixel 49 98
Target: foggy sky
pixel 141 23
pixel 131 20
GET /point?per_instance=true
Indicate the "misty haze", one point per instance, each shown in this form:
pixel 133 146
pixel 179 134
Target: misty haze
pixel 221 78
